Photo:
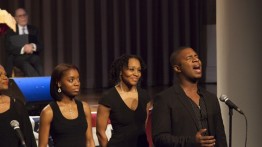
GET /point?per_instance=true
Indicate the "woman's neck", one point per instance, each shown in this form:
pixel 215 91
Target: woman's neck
pixel 125 88
pixel 2 98
pixel 67 100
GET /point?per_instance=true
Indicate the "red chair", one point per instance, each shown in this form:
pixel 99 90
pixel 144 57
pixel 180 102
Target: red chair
pixel 149 131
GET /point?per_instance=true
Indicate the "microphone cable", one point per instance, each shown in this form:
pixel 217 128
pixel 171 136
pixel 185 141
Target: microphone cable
pixel 246 130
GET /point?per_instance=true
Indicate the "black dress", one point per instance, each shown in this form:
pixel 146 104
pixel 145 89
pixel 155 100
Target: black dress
pixel 128 125
pixel 68 132
pixel 8 137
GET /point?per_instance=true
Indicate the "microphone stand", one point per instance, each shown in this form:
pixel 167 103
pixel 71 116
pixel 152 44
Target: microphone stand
pixel 230 126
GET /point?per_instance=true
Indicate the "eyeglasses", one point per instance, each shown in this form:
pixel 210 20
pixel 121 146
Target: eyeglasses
pixel 21 15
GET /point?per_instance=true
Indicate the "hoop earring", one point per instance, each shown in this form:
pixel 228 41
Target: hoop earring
pixel 59 90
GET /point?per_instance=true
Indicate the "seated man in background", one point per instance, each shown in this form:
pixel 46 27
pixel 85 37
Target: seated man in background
pixel 23 47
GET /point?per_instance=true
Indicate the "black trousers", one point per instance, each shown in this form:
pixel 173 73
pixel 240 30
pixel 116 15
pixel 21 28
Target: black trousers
pixel 30 65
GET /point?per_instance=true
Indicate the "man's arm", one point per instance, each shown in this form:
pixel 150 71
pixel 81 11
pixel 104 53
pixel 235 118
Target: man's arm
pixel 10 47
pixel 35 39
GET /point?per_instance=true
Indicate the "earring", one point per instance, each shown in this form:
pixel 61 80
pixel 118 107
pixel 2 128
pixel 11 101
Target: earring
pixel 59 90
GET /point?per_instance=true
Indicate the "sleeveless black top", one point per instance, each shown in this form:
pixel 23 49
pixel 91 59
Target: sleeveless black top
pixel 68 132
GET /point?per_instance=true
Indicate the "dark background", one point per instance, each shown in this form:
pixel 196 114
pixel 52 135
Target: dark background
pixel 92 33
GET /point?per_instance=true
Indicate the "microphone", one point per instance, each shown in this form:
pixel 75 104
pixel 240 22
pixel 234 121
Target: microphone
pixel 224 98
pixel 15 125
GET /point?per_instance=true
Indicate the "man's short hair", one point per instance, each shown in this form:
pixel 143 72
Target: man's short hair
pixel 173 57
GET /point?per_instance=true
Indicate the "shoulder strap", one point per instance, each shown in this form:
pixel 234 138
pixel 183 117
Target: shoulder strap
pixel 54 107
pixel 52 104
pixel 80 107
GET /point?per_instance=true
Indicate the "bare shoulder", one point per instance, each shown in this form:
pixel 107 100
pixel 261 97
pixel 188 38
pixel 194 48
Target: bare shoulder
pixel 86 107
pixel 47 112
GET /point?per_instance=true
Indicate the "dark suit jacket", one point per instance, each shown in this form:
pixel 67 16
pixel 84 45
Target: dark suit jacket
pixel 174 123
pixel 34 37
pixel 13 51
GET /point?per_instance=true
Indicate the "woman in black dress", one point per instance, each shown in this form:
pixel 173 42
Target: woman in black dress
pixel 125 104
pixel 67 119
pixel 13 109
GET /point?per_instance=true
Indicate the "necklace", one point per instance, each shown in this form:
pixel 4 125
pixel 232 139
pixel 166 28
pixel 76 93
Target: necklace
pixel 68 108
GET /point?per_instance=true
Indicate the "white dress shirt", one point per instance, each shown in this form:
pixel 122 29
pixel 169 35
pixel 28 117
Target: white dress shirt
pixel 23 30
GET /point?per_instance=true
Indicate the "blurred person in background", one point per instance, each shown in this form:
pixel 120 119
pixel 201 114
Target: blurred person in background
pixel 24 53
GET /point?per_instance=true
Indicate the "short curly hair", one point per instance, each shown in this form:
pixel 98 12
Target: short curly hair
pixel 173 57
pixel 118 65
